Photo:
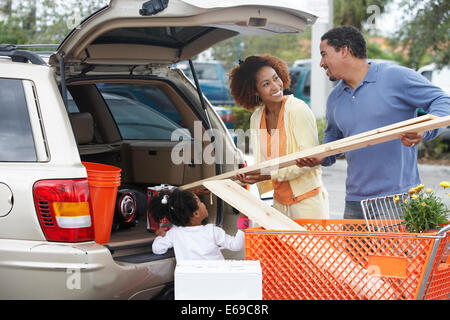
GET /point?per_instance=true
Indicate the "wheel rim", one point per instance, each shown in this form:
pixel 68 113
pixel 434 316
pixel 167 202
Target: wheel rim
pixel 127 207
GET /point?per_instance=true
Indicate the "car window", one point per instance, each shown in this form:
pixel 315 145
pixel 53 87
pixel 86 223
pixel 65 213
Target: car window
pixel 295 76
pixel 204 71
pixel 148 95
pixel 16 135
pixel 136 120
pixel 307 86
pixel 71 105
pixel 427 74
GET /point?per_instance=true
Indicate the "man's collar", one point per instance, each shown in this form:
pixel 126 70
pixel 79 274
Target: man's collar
pixel 371 75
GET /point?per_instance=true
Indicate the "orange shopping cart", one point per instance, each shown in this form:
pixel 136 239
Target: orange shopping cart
pixel 343 259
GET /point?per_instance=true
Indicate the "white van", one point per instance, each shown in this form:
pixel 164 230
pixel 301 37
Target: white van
pixel 438 77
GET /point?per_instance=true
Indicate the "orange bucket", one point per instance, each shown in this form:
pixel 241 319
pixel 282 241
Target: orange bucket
pixel 103 182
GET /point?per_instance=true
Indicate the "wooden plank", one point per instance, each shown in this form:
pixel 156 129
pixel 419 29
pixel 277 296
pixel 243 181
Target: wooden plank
pixel 339 146
pixel 396 125
pixel 253 207
pixel 327 257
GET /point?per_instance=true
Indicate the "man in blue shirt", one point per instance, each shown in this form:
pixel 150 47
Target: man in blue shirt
pixel 369 96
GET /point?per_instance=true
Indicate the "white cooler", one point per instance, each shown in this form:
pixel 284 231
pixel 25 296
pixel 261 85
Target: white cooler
pixel 218 280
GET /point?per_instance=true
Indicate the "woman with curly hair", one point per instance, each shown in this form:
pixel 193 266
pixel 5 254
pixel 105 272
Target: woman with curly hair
pixel 279 125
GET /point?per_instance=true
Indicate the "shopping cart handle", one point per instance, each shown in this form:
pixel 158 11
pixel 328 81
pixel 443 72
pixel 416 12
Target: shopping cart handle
pixel 443 230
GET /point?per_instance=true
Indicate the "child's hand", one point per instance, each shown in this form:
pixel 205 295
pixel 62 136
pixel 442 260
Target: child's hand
pixel 241 215
pixel 243 222
pixel 160 232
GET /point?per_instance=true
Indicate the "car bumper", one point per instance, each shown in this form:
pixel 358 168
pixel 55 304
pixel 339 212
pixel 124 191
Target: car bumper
pixel 50 270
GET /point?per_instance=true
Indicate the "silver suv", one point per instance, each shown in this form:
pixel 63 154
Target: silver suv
pixel 108 95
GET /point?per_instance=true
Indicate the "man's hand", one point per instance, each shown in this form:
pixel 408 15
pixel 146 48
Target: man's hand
pixel 308 162
pixel 411 139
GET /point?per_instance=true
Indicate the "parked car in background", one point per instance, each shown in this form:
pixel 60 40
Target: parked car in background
pixel 213 81
pixel 301 83
pixel 300 74
pixel 302 63
pixel 226 115
pixel 440 78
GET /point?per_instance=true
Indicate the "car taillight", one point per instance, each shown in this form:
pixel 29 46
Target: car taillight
pixel 224 117
pixel 63 209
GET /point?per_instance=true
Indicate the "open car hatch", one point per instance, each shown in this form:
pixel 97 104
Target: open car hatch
pixel 136 32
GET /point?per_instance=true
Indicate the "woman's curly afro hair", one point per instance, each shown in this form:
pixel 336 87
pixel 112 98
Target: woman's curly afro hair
pixel 243 78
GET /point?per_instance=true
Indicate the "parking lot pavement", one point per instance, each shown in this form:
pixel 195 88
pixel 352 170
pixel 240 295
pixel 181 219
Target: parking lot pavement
pixel 334 181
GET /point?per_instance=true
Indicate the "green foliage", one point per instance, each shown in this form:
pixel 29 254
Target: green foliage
pixel 355 12
pixel 288 47
pixel 424 211
pixel 374 51
pixel 426 32
pixel 241 117
pixel 44 21
pixel 435 149
pixel 321 126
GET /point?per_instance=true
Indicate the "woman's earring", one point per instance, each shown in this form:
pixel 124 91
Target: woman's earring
pixel 257 100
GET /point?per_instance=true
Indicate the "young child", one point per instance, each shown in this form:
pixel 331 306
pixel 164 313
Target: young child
pixel 190 236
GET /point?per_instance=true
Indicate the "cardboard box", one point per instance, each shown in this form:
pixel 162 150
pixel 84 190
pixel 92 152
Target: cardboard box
pixel 218 280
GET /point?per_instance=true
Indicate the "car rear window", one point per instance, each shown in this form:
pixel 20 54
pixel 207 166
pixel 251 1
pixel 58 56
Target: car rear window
pixel 142 112
pixel 16 135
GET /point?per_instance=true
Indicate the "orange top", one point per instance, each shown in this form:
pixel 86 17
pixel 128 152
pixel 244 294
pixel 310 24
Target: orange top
pixel 282 190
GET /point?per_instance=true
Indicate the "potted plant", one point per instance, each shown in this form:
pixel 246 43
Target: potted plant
pixel 423 210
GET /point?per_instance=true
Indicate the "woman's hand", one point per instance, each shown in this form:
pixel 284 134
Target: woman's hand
pixel 252 178
pixel 308 162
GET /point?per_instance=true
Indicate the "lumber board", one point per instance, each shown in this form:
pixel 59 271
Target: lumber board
pixel 253 207
pixel 335 261
pixel 362 140
pixel 396 125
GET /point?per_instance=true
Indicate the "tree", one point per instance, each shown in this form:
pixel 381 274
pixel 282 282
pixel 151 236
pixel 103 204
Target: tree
pixel 355 12
pixel 291 47
pixel 426 33
pixel 288 47
pixel 44 21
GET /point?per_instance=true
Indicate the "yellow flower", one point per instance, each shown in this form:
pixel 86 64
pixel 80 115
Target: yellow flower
pixel 414 197
pixel 412 191
pixel 423 204
pixel 428 190
pixel 419 187
pixel 397 198
pixel 445 184
pixel 406 200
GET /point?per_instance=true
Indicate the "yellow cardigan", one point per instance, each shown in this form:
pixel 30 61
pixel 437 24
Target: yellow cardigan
pixel 301 131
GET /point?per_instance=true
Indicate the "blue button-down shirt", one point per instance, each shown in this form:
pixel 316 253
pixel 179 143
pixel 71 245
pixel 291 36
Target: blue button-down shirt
pixel 388 94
